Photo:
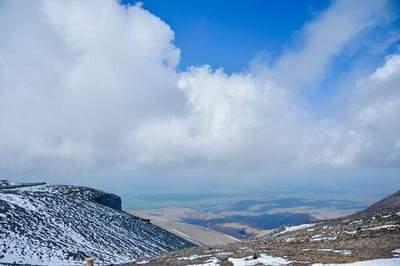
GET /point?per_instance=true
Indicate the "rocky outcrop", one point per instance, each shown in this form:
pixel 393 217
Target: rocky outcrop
pixel 109 200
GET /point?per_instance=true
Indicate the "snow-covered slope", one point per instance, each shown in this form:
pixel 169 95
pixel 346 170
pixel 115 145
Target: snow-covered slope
pixel 62 225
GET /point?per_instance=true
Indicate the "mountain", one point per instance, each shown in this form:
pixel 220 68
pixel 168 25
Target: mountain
pixel 371 235
pixel 384 207
pixel 65 225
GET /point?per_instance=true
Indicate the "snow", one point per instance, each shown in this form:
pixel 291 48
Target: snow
pixel 294 228
pixel 194 257
pixel 350 232
pixel 320 238
pixel 341 251
pixel 247 261
pixel 376 262
pixel 210 262
pixel 19 201
pixel 263 259
pixel 142 262
pixel 386 226
pixel 60 225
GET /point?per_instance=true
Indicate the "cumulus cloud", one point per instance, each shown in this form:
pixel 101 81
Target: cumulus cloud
pixel 229 119
pixel 373 114
pixel 89 88
pixel 240 119
pixel 76 77
pixel 258 117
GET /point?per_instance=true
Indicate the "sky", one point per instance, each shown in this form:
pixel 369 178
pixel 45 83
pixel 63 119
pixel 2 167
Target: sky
pixel 211 32
pixel 201 95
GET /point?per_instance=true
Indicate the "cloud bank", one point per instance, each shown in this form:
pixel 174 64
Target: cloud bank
pixel 90 88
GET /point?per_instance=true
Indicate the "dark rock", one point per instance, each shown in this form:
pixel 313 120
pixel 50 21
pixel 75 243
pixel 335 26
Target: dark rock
pixel 224 260
pixel 256 255
pixel 226 263
pixel 109 200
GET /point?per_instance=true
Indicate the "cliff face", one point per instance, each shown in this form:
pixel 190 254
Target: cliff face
pixel 109 200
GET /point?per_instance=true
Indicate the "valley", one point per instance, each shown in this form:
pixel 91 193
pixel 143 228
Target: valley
pixel 65 225
pixel 370 236
pixel 239 216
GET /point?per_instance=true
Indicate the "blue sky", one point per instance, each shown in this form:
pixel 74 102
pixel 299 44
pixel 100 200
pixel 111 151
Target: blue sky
pixel 230 34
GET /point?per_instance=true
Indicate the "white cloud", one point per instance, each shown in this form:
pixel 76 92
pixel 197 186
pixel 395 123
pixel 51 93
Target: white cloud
pixel 88 88
pixel 230 119
pixel 325 38
pixel 374 110
pixel 253 118
pixel 75 80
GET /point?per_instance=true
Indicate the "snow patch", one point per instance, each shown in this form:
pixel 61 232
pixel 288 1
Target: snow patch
pixel 294 228
pixel 326 238
pixel 210 262
pixel 377 262
pixel 341 252
pixel 386 226
pixel 263 260
pixel 350 232
pixel 194 257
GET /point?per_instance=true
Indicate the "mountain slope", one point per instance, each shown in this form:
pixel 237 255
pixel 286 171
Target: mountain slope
pixel 373 233
pixel 67 224
pixel 386 206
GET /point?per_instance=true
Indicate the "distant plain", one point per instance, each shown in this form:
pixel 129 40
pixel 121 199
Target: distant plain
pixel 241 216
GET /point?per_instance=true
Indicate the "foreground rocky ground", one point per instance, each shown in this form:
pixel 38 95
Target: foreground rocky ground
pixel 370 234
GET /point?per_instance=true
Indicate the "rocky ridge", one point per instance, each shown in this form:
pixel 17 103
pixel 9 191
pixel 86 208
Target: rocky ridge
pixel 65 225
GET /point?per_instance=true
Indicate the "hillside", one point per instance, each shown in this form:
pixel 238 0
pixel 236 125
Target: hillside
pixel 371 234
pixel 200 235
pixel 62 225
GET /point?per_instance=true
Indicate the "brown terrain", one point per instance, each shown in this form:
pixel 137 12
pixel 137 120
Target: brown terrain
pixel 198 235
